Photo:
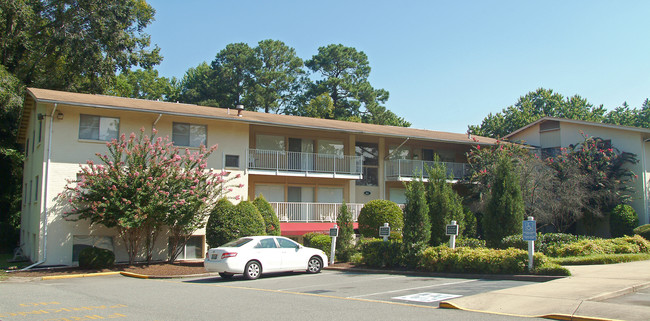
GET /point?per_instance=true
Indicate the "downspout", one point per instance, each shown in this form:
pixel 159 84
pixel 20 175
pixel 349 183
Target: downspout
pixel 44 197
pixel 645 182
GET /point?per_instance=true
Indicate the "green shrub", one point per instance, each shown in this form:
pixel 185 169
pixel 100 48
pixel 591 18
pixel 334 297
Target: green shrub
pixel 644 231
pixel 505 205
pixel 601 259
pixel 322 242
pixel 551 269
pixel 271 221
pixel 357 258
pixel 622 220
pixel 345 239
pixel 417 227
pixel 306 238
pixel 377 253
pixel 395 236
pixel 542 243
pixel 377 212
pixel 470 242
pixel 96 258
pixel 621 245
pixel 228 222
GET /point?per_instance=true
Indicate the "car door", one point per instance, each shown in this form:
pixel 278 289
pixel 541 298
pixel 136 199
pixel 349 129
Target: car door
pixel 292 256
pixel 268 253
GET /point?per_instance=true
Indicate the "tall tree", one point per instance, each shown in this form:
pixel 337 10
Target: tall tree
pixel 198 86
pixel 344 73
pixel 626 116
pixel 143 84
pixel 417 227
pixel 277 77
pixel 233 75
pixel 75 45
pixel 533 106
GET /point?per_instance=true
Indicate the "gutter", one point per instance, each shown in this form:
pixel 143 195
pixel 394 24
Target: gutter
pixel 645 182
pixel 44 197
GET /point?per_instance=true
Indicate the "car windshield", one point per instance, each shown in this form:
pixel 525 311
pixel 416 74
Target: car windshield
pixel 237 243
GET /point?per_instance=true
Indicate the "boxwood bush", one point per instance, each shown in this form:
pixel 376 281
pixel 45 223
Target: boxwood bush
pixel 644 231
pixel 470 242
pixel 318 241
pixel 622 220
pixel 377 253
pixel 96 258
pixel 377 212
pixel 621 245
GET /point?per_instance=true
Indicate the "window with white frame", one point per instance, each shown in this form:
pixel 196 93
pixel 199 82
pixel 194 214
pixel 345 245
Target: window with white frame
pixel 193 249
pixel 98 127
pixel 232 160
pixel 190 135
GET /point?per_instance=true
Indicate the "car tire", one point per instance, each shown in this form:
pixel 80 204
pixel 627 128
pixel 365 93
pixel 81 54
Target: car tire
pixel 226 275
pixel 253 270
pixel 315 264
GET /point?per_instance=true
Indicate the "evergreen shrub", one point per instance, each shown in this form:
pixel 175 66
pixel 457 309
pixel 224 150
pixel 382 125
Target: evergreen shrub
pixel 622 220
pixel 96 258
pixel 271 221
pixel 644 231
pixel 377 212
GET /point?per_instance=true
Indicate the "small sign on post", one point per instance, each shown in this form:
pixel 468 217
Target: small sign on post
pixel 529 232
pixel 384 231
pixel 334 232
pixel 452 231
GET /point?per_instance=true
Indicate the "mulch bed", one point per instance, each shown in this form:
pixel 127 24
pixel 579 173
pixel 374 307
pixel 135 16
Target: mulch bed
pixel 157 269
pixel 154 269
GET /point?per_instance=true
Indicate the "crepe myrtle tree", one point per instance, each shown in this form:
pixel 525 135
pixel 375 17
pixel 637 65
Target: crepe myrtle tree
pixel 141 185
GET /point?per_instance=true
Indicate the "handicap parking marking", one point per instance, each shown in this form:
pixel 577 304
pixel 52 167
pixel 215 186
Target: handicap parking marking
pixel 427 297
pixel 410 289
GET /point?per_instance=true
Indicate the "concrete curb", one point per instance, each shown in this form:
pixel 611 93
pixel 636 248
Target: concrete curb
pixel 553 316
pixel 143 276
pixel 614 294
pixel 72 276
pixel 513 277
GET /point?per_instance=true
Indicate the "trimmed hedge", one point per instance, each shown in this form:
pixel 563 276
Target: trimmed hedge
pixel 319 241
pixel 622 220
pixel 621 245
pixel 377 212
pixel 470 242
pixel 543 241
pixel 377 253
pixel 484 260
pixel 96 258
pixel 644 231
pixel 600 259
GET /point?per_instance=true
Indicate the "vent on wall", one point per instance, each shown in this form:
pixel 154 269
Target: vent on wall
pixel 549 125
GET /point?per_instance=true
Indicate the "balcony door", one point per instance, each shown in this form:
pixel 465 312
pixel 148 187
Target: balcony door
pixel 303 199
pixel 301 154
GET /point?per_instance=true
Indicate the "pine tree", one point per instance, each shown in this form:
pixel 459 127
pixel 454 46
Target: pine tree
pixel 417 228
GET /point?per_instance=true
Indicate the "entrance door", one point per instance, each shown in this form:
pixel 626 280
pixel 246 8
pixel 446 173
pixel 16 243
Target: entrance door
pixel 301 154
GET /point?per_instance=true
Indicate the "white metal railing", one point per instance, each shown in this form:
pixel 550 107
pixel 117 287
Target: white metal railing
pixel 312 212
pixel 406 168
pixel 303 162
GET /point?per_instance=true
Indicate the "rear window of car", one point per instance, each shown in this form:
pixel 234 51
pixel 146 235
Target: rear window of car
pixel 237 243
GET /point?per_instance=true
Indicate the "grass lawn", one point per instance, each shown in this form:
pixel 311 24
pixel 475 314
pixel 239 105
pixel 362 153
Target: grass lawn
pixel 600 259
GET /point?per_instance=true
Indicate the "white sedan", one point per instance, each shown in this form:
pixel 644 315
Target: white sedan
pixel 254 255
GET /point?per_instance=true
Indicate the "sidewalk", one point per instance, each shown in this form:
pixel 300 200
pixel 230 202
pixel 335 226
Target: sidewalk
pixel 574 298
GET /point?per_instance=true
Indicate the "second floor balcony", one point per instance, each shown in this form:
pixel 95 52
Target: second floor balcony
pixel 407 169
pixel 286 163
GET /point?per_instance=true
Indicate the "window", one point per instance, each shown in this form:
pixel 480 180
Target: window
pixel 29 200
pixel 193 249
pixel 27 148
pixel 232 160
pixel 33 140
pixel 401 153
pixel 36 190
pixel 98 127
pixel 269 142
pixel 40 130
pixel 549 125
pixel 331 147
pixel 266 244
pixel 369 153
pixel 287 244
pixel 189 135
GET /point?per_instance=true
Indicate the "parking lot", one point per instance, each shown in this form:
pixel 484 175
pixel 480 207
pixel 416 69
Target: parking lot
pixel 290 296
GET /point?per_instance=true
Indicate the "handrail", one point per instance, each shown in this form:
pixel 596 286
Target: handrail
pixel 274 160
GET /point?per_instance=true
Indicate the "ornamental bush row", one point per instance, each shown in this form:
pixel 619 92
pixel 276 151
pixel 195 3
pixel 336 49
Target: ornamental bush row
pixel 543 241
pixel 621 245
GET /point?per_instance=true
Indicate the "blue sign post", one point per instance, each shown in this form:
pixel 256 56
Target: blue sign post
pixel 529 231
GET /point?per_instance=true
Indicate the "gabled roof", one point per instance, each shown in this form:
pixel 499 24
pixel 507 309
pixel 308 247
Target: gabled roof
pixel 580 122
pixel 178 109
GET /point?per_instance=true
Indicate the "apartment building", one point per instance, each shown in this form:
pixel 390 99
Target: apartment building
pixel 305 167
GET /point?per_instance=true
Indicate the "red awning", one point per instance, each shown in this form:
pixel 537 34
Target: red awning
pixel 302 228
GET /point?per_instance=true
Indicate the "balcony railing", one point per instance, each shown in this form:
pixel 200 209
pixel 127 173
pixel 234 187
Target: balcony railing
pixel 312 212
pixel 398 169
pixel 284 161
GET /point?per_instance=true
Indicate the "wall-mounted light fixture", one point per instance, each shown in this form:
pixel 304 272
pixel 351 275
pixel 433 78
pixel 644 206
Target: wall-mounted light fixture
pixel 59 116
pixel 41 116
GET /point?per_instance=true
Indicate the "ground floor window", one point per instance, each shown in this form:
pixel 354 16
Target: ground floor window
pixel 80 242
pixel 193 249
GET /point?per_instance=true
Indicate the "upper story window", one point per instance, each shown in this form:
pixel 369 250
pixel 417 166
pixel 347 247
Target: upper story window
pixel 98 127
pixel 369 153
pixel 190 135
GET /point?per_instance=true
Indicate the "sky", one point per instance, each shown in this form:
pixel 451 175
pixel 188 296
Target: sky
pixel 446 64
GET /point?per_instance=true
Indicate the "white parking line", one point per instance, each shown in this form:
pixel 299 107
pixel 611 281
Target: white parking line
pixel 347 282
pixel 402 290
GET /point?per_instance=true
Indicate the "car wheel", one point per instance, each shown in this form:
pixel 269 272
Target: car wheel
pixel 315 264
pixel 253 270
pixel 226 275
